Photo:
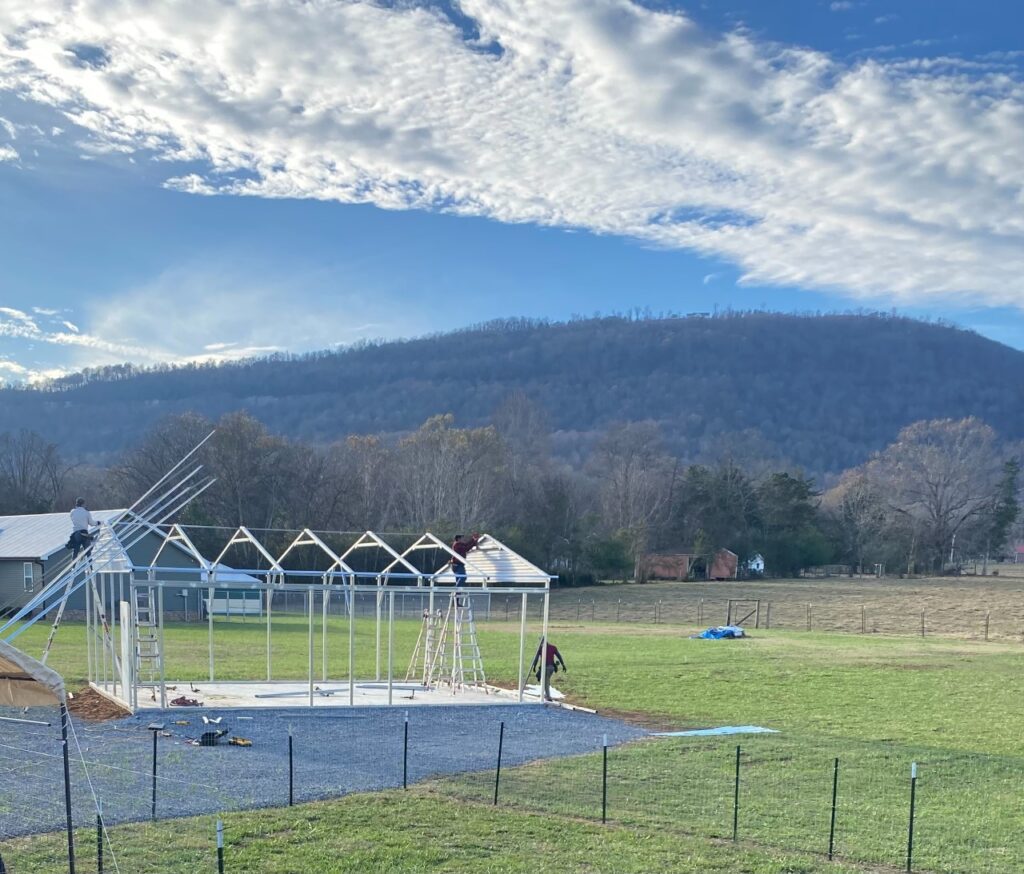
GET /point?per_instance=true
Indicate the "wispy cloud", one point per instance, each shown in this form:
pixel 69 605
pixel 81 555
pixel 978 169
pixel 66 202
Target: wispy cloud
pixel 8 153
pixel 870 177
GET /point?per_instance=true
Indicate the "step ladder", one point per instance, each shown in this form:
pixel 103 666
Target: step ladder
pixel 146 643
pixel 423 654
pixel 457 662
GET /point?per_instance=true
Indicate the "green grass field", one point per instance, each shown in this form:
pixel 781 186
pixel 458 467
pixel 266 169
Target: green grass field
pixel 876 703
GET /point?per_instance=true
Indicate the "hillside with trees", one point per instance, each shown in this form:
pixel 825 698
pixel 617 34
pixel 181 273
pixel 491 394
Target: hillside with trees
pixel 813 393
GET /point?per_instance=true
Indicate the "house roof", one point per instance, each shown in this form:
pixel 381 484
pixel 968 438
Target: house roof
pixel 36 537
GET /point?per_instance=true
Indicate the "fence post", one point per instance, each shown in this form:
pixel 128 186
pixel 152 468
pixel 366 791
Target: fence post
pixel 155 728
pixel 618 607
pixel 863 620
pixel 291 769
pixel 768 616
pixel 809 609
pixel 910 829
pixel 405 754
pixel 99 840
pixel 700 611
pixel 736 799
pixel 593 610
pixel 64 719
pixel 986 625
pixel 497 771
pixel 579 606
pixel 832 824
pixel 604 780
pixel 220 846
pixel 922 623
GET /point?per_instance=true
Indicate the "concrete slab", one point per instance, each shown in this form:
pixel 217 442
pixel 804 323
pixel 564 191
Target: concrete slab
pixel 329 693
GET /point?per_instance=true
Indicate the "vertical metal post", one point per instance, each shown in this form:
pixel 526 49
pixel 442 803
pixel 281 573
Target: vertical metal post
pixel 544 641
pixel 291 769
pixel 604 780
pixel 310 598
pixel 618 609
pixel 522 648
pixel 153 807
pixel 99 842
pixel 497 772
pixel 64 718
pixel 987 615
pixel 270 604
pixel 220 846
pixel 922 623
pixel 405 754
pixel 380 602
pixel 391 646
pixel 351 644
pixel 700 611
pixel 160 645
pixel 88 633
pixel 325 597
pixel 209 623
pixel 910 830
pixel 736 799
pixel 768 616
pixel 863 620
pixel 832 824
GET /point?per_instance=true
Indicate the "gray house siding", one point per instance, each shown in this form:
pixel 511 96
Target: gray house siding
pixel 12 583
pixel 12 586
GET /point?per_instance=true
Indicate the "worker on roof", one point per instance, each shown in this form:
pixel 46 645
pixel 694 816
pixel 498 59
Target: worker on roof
pixel 461 545
pixel 546 666
pixel 83 527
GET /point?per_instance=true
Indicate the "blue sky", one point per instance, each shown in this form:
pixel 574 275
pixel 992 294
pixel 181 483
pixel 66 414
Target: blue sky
pixel 224 180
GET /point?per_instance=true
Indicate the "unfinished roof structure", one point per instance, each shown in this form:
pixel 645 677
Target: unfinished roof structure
pixel 259 574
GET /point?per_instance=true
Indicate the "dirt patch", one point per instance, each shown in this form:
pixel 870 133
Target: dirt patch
pixel 90 705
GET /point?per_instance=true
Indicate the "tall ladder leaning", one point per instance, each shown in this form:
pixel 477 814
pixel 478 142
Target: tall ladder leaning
pixel 457 662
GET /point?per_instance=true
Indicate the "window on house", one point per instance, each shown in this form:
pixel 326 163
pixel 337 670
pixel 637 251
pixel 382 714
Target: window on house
pixel 30 578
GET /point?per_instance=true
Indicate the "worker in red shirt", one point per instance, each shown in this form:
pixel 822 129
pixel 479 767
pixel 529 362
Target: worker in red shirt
pixel 550 665
pixel 461 545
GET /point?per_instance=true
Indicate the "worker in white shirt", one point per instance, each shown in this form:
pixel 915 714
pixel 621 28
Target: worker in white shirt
pixel 82 525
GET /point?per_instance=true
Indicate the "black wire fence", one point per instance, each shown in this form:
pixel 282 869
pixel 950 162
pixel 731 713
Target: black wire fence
pixel 149 796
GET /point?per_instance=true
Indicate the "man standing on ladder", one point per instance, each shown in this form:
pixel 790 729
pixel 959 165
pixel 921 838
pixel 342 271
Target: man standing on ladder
pixel 545 667
pixel 82 525
pixel 462 546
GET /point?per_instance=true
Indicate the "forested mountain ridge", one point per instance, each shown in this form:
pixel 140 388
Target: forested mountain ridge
pixel 820 392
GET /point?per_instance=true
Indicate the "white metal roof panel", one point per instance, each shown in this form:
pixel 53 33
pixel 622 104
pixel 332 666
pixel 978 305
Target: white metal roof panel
pixel 40 535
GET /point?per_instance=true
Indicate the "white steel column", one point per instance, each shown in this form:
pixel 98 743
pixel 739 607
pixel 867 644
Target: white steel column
pixel 212 577
pixel 88 634
pixel 160 645
pixel 391 641
pixel 325 596
pixel 270 600
pixel 522 646
pixel 310 598
pixel 351 643
pixel 544 646
pixel 380 596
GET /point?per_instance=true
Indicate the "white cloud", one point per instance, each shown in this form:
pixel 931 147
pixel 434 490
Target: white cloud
pixel 8 153
pixel 873 178
pixel 711 277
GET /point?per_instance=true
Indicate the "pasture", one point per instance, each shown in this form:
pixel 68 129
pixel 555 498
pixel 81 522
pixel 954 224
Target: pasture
pixel 877 702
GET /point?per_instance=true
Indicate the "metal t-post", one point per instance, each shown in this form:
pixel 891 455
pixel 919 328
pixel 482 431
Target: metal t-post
pixel 64 719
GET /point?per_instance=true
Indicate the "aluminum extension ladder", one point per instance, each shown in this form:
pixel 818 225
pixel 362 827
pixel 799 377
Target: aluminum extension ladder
pixel 458 663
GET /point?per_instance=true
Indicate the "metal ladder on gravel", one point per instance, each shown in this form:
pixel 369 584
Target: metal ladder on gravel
pixel 458 662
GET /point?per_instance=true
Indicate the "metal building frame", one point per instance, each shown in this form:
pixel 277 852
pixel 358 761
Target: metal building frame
pixel 494 568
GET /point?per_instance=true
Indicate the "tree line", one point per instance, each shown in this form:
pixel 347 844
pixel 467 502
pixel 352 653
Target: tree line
pixel 945 491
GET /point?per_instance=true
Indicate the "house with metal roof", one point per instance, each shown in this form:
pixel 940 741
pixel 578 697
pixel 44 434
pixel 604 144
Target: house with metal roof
pixel 33 552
